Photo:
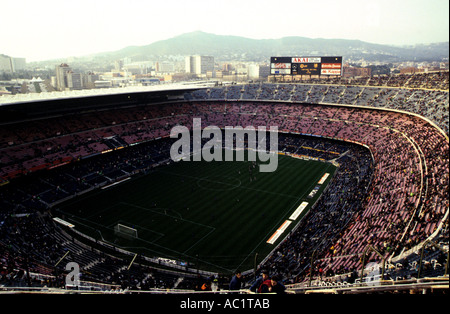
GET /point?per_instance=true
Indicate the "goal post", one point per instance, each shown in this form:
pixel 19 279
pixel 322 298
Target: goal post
pixel 125 231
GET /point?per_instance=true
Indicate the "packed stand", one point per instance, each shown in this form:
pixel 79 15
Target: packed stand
pixel 394 195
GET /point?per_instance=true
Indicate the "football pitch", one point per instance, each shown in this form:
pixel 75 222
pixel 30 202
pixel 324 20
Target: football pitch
pixel 218 216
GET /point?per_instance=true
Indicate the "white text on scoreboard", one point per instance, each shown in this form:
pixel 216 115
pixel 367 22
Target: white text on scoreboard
pixel 307 60
pixel 330 72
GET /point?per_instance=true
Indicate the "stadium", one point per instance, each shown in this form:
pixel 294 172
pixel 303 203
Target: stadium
pixel 358 204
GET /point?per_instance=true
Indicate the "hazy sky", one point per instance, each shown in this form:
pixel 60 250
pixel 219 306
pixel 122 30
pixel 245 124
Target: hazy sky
pixel 46 29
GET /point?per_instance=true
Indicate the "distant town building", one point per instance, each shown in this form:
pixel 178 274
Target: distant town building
pixel 258 72
pixel 10 65
pixel 118 64
pixel 410 70
pixel 349 71
pixel 18 64
pixel 5 64
pixel 136 68
pixel 227 67
pixel 165 67
pixel 61 76
pixel 103 84
pixel 67 79
pixel 74 81
pixel 199 64
pixel 89 80
pixel 177 77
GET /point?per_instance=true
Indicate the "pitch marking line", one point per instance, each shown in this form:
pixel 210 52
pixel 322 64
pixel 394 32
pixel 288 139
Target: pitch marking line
pixel 224 183
pixel 181 218
pixel 298 199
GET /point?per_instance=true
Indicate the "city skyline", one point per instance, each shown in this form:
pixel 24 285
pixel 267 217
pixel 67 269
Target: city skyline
pixel 51 29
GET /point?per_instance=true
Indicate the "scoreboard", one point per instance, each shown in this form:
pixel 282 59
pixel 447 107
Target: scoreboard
pixel 306 65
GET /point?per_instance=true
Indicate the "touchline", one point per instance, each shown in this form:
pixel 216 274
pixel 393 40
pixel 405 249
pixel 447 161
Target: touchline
pixel 212 150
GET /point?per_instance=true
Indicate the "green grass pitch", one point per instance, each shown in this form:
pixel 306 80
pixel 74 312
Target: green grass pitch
pixel 215 215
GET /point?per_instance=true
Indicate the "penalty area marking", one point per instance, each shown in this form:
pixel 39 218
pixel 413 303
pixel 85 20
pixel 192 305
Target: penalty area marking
pixel 115 183
pixel 228 186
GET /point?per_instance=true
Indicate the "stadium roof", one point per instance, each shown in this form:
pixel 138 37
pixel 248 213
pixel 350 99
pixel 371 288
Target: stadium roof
pixel 24 98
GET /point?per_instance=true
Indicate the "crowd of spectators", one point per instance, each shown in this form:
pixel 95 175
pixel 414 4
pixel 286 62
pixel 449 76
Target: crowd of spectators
pixel 391 194
pixel 425 94
pixel 438 80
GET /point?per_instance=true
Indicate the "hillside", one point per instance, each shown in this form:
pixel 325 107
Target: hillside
pixel 231 47
pixel 228 48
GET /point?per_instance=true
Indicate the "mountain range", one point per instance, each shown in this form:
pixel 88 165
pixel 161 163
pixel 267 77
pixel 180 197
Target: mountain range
pixel 225 47
pixel 236 48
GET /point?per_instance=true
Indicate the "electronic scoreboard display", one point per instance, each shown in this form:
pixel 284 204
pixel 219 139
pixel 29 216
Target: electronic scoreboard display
pixel 306 65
